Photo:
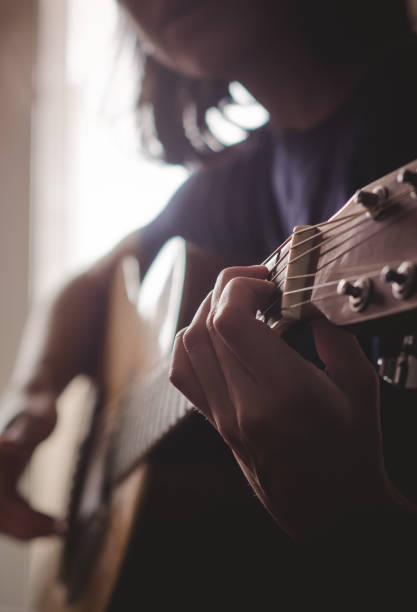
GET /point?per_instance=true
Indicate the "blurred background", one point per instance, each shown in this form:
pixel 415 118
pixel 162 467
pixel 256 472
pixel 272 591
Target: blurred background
pixel 72 179
pixel 73 182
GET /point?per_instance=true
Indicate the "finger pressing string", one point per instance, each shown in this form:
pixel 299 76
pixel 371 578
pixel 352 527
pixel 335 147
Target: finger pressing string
pixel 254 344
pixel 259 271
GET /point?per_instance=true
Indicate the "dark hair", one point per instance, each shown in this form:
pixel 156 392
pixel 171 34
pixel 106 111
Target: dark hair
pixel 172 113
pixel 172 107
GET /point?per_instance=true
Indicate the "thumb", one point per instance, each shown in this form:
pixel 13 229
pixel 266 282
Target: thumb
pixel 19 520
pixel 34 423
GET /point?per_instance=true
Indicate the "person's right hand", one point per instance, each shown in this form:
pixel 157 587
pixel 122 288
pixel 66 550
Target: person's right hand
pixel 62 339
pixel 17 444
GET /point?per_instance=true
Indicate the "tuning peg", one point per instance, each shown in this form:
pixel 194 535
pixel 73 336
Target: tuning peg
pixel 402 279
pixel 389 275
pixel 372 200
pixel 369 199
pixel 359 292
pixel 347 288
pixel 407 176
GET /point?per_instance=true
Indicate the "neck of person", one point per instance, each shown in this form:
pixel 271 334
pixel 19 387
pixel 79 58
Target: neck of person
pixel 301 93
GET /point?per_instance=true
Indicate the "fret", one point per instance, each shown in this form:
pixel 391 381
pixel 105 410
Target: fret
pixel 162 407
pixel 148 411
pixel 161 419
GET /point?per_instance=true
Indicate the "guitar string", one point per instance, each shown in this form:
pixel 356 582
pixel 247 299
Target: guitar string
pixel 277 301
pixel 328 239
pixel 343 270
pixel 402 213
pixel 315 226
pixel 318 246
pixel 319 299
pixel 310 300
pixel 340 222
pixel 131 446
pixel 370 273
pixel 334 246
pixel 390 202
pixel 315 248
pixel 328 296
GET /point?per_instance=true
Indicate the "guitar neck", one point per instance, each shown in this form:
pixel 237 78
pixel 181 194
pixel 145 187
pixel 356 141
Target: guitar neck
pixel 149 409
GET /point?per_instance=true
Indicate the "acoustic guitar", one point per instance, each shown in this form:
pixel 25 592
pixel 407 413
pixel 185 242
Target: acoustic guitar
pixel 356 269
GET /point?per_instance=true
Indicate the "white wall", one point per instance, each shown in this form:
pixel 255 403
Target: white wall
pixel 17 43
pixel 17 46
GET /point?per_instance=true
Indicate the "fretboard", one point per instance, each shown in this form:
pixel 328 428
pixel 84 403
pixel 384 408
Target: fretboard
pixel 149 409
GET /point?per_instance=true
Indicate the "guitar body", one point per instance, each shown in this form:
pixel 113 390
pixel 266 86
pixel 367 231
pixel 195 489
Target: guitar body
pixel 188 483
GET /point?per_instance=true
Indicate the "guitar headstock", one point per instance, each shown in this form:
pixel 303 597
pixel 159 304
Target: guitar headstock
pixel 358 267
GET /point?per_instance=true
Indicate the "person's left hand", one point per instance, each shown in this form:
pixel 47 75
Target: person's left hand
pixel 308 441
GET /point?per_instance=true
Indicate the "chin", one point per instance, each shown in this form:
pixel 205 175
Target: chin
pixel 210 42
pixel 201 60
pixel 193 66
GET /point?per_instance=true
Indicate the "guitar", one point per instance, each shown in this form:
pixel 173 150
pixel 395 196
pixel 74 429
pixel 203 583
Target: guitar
pixel 356 269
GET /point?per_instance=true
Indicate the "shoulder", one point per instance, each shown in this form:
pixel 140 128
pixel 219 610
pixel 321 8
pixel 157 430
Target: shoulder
pixel 214 207
pixel 236 167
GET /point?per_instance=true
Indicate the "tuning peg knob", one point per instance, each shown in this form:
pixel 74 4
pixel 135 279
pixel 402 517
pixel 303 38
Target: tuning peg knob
pixel 402 279
pixel 347 288
pixel 389 275
pixel 372 200
pixel 368 199
pixel 359 292
pixel 407 176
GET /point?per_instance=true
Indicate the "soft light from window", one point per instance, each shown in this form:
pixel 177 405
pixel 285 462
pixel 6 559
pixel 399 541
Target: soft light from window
pixel 115 190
